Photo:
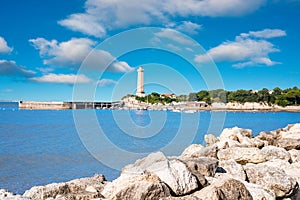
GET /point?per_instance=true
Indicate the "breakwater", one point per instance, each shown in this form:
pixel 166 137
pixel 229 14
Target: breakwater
pixel 51 105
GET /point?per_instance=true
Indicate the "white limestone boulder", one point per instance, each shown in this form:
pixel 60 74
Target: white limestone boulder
pixel 69 190
pixel 258 192
pixel 6 195
pixel 210 139
pixel 193 148
pixel 209 151
pixel 242 155
pixel 272 178
pixel 232 168
pixel 223 189
pixel 146 186
pixel 172 172
pixel 272 152
pixel 295 155
pixel 235 133
pixel 202 165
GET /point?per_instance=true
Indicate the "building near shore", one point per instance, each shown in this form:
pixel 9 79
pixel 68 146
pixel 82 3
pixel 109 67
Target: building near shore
pixel 171 95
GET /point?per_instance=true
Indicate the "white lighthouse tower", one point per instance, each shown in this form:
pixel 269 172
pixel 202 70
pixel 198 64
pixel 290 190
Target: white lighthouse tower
pixel 140 83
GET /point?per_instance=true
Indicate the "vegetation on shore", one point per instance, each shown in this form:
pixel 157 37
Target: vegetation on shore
pixel 277 96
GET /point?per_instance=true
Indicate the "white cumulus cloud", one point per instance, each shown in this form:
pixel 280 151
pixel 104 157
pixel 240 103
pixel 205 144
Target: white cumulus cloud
pixel 244 51
pixel 4 48
pixel 10 68
pixel 188 27
pixel 103 15
pixel 73 52
pixel 266 33
pixel 105 82
pixel 62 78
pixel 67 53
pixel 84 23
pixel 174 35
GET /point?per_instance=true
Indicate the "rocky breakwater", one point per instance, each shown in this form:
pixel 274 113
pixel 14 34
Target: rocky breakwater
pixel 234 165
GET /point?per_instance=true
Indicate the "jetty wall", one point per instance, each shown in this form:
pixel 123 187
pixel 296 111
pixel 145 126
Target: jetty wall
pixel 40 105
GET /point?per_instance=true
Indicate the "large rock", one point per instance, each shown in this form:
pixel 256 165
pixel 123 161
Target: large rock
pixel 235 133
pixel 259 193
pixel 293 170
pixel 202 165
pixel 288 137
pixel 191 150
pixel 288 143
pixel 195 151
pixel 269 137
pixel 223 189
pixel 5 195
pixel 295 155
pixel 75 189
pixel 172 172
pixel 272 178
pixel 237 137
pixel 271 152
pixel 232 168
pixel 259 143
pixel 135 187
pixel 210 139
pixel 278 163
pixel 291 131
pixel 228 143
pixel 242 155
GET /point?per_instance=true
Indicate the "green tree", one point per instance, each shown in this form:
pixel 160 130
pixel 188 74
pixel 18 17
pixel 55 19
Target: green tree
pixel 277 91
pixel 193 97
pixel 263 95
pixel 183 98
pixel 202 94
pixel 218 95
pixel 293 95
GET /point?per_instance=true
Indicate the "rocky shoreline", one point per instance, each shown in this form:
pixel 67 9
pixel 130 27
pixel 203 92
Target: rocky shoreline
pixel 234 165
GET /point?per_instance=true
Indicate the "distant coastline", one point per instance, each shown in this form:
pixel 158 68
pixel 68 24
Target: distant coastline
pixel 132 104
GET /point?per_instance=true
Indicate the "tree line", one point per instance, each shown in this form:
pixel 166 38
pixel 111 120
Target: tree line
pixel 281 97
pixel 286 97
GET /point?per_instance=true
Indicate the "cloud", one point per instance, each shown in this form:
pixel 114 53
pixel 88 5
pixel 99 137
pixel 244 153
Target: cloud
pixel 266 33
pixel 173 47
pixel 73 52
pixel 175 36
pixel 62 78
pixel 103 15
pixel 4 48
pixel 244 50
pixel 84 23
pixel 45 70
pixel 10 68
pixel 105 82
pixel 69 53
pixel 256 61
pixel 120 67
pixel 188 27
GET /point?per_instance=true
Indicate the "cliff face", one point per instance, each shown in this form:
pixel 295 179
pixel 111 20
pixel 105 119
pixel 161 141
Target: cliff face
pixel 234 165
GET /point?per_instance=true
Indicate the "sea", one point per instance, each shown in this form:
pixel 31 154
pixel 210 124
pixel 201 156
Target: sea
pixel 39 147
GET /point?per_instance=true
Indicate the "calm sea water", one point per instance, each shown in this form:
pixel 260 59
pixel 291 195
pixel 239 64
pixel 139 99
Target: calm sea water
pixel 40 147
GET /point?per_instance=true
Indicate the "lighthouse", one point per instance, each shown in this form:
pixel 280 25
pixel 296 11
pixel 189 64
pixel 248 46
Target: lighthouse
pixel 140 83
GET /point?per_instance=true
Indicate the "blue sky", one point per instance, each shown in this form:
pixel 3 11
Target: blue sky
pixel 254 44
